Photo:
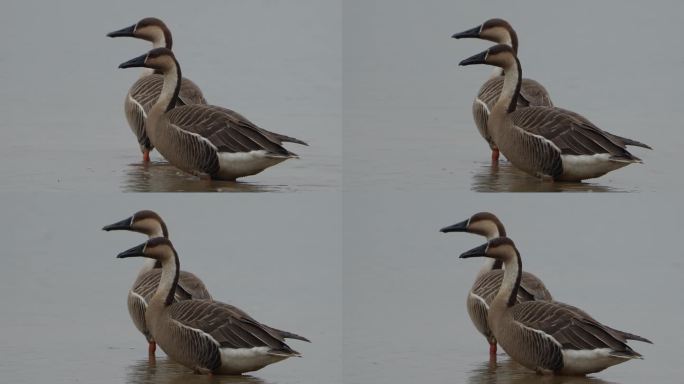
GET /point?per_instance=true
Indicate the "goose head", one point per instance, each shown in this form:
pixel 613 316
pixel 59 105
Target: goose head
pixel 482 223
pixel 158 248
pixel 496 30
pixel 161 59
pixel 145 222
pixel 150 29
pixel 501 248
pixel 500 55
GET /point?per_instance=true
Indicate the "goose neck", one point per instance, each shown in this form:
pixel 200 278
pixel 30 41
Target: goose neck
pixel 168 281
pixel 511 86
pixel 167 98
pixel 508 292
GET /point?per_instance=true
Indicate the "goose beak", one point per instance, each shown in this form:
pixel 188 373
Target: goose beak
pixel 137 62
pixel 480 58
pixel 128 32
pixel 136 251
pixel 480 251
pixel 123 225
pixel 458 227
pixel 470 33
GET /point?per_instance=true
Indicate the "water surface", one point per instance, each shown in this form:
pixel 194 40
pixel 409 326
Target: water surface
pixel 64 316
pixel 407 104
pixel 276 62
pixel 405 319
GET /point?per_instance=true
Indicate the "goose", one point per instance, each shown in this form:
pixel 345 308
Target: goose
pixel 189 287
pixel 531 91
pixel 206 139
pixel 145 91
pixel 203 335
pixel 548 142
pixel 488 279
pixel 547 336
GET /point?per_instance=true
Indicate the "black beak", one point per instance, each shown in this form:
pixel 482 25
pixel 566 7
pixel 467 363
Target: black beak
pixel 133 252
pixel 480 251
pixel 128 31
pixel 137 62
pixel 472 32
pixel 123 225
pixel 458 227
pixel 480 58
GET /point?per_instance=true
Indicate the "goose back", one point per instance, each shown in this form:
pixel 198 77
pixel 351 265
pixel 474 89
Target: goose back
pixel 212 140
pixel 551 337
pixel 142 96
pixel 531 94
pixel 210 336
pixel 584 150
pixel 144 287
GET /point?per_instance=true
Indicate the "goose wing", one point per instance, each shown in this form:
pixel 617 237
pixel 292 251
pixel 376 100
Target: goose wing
pixel 190 93
pixel 534 94
pixel 145 91
pixel 228 327
pixel 570 132
pixel 189 286
pixel 570 328
pixel 279 333
pixel 531 93
pixel 224 131
pixel 531 287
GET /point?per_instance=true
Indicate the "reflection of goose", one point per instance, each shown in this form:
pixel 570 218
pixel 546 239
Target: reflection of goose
pixel 489 278
pixel 547 336
pixel 206 336
pixel 165 371
pixel 508 371
pixel 189 286
pixel 146 90
pixel 504 177
pixel 206 139
pixel 531 92
pixel 160 176
pixel 548 142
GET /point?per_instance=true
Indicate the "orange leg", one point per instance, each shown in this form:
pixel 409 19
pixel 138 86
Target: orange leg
pixel 495 155
pixel 151 348
pixel 146 155
pixel 492 350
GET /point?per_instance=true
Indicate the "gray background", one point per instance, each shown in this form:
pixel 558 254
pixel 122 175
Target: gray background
pixel 64 316
pixel 407 105
pixel 405 318
pixel 61 100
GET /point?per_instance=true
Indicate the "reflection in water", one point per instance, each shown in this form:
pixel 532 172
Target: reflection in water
pixel 165 371
pixel 510 372
pixel 160 176
pixel 504 177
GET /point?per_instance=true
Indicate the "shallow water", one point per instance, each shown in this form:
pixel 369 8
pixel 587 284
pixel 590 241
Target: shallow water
pixel 62 97
pixel 407 104
pixel 64 316
pixel 405 319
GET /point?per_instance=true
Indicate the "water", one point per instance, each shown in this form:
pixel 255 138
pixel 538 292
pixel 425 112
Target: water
pixel 62 96
pixel 407 104
pixel 405 319
pixel 64 316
